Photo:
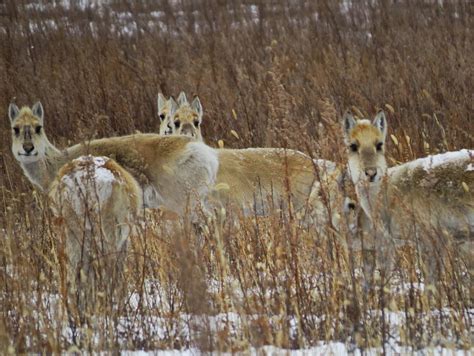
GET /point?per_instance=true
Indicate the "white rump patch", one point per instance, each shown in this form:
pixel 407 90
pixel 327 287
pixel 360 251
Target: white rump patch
pixel 208 158
pixel 470 167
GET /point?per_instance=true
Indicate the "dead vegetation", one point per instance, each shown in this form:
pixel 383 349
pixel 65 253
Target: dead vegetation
pixel 278 74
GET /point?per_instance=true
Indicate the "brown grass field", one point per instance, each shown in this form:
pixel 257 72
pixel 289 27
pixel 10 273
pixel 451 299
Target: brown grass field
pixel 269 74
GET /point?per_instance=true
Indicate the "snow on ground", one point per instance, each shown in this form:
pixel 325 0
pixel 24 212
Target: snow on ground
pixel 340 349
pixel 326 349
pixel 217 323
pixel 127 24
pixel 162 324
pixel 42 5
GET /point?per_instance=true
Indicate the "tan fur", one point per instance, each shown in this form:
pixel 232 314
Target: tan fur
pixel 417 196
pixel 185 118
pixel 186 122
pixel 171 166
pixel 164 107
pixel 442 196
pixel 174 171
pixel 97 202
pixel 365 134
pixel 368 161
pixel 258 177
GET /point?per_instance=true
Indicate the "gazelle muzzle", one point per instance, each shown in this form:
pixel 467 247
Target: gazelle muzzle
pixel 371 173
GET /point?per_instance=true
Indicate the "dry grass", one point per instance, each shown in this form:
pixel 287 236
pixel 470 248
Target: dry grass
pixel 278 76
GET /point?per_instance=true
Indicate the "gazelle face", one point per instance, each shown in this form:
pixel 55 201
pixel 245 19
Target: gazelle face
pixel 163 114
pixel 164 108
pixel 365 145
pixel 186 119
pixel 28 138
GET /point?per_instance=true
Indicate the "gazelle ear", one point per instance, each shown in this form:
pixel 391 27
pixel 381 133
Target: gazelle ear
pixel 348 123
pixel 196 106
pixel 38 111
pixel 161 102
pixel 182 99
pixel 380 122
pixel 13 112
pixel 173 107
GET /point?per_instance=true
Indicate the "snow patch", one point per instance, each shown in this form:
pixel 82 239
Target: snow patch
pixel 89 179
pixel 434 161
pixel 163 324
pixel 95 164
pixel 448 158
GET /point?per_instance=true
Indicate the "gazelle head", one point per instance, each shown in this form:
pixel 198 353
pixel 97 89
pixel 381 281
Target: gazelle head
pixel 163 115
pixel 186 118
pixel 29 141
pixel 164 107
pixel 365 142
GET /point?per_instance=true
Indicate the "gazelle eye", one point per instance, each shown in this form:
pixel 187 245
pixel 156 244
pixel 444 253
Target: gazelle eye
pixel 38 129
pixel 196 123
pixel 16 130
pixel 162 117
pixel 379 146
pixel 353 147
pixel 177 123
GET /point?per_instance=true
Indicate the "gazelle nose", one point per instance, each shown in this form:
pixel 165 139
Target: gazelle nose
pixel 371 173
pixel 188 130
pixel 28 147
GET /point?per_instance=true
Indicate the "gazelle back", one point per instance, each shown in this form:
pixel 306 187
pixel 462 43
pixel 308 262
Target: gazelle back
pixel 254 178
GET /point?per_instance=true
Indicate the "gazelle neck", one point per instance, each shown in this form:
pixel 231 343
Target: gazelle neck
pixel 370 196
pixel 43 171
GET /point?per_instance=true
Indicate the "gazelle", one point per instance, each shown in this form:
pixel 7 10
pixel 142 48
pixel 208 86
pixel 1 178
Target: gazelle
pixel 164 106
pixel 96 202
pixel 254 178
pixel 434 194
pixel 174 172
pixel 163 115
pixel 184 118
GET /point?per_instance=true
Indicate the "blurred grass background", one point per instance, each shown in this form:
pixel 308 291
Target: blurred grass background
pixel 278 73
